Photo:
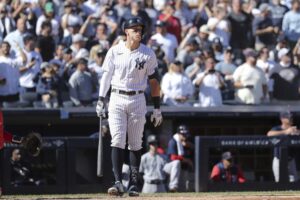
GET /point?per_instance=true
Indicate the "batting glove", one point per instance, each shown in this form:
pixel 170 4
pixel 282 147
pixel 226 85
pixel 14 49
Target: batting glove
pixel 100 109
pixel 156 117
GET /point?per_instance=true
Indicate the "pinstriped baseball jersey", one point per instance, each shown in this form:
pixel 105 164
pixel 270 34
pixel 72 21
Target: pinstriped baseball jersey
pixel 129 70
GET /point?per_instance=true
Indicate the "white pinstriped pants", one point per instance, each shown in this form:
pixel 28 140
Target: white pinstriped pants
pixel 292 170
pixel 126 114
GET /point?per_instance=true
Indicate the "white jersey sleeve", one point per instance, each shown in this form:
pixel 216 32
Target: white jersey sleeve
pixel 108 69
pixel 152 64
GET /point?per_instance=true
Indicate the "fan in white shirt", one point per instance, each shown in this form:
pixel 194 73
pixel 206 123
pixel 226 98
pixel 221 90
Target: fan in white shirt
pixel 176 86
pixel 210 81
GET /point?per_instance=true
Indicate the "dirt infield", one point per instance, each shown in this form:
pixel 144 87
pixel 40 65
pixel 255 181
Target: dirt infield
pixel 165 196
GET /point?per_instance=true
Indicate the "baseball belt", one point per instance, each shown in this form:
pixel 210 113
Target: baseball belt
pixel 155 182
pixel 129 93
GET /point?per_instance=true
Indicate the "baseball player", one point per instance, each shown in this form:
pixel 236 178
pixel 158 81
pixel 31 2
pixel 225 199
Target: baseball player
pixel 154 167
pixel 127 68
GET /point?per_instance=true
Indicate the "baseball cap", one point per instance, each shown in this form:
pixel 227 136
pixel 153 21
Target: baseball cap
pixel 204 29
pixel 82 61
pixel 282 52
pixel 49 7
pixel 151 139
pixel 192 41
pixel 77 38
pixel 227 155
pixel 228 49
pixel 263 7
pixel 249 52
pixel 160 23
pixel 286 115
pixel 68 51
pixel 101 50
pixel 44 65
pixel 216 40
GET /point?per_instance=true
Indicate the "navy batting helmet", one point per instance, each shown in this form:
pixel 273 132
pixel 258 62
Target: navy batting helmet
pixel 131 22
pixel 151 139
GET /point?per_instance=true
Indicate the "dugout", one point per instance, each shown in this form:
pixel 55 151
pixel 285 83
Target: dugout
pixel 241 146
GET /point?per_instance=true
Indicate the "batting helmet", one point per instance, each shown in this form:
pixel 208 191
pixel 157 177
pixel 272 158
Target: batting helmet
pixel 131 22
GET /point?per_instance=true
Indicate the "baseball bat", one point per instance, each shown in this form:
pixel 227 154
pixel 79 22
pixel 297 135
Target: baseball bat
pixel 100 151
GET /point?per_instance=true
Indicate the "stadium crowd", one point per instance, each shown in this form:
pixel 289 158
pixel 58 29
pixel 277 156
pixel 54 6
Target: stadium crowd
pixel 208 51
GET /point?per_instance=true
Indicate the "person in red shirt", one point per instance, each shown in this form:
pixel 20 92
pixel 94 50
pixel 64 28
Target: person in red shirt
pixel 173 23
pixel 227 171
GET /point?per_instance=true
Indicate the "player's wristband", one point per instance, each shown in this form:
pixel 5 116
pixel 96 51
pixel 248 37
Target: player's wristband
pixel 156 102
pixel 101 98
pixel 16 139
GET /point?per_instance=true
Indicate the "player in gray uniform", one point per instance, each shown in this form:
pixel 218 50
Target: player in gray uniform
pixel 154 167
pixel 127 68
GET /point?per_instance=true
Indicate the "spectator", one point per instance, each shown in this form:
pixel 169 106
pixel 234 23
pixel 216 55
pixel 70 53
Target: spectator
pixel 47 86
pixel 90 7
pixel 121 7
pixel 49 15
pixel 73 27
pixel 172 23
pixel 9 73
pixel 183 13
pixel 97 56
pixel 7 24
pixel 241 34
pixel 285 129
pixel 70 18
pixel 152 13
pixel 287 79
pixel 277 12
pixel 196 67
pixel 202 37
pixel 263 28
pixel 250 81
pixel 210 82
pixel 269 68
pixel 58 58
pixel 81 85
pixel 155 167
pixel 15 38
pixel 186 55
pixel 219 25
pixel 227 68
pixel 226 170
pixel 161 59
pixel 78 47
pixel 45 44
pixel 32 67
pixel 136 10
pixel 167 41
pixel 102 37
pixel 290 26
pixel 217 49
pixel 176 86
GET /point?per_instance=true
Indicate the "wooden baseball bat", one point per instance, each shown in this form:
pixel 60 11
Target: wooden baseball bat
pixel 100 151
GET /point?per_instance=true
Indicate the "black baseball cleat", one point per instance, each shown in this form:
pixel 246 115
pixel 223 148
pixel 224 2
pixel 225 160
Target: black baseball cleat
pixel 116 190
pixel 133 191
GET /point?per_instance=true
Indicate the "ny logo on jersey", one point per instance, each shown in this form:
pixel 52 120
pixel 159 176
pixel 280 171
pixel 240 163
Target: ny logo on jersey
pixel 139 64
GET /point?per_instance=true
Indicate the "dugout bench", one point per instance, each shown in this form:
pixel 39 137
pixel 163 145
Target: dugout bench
pixel 204 145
